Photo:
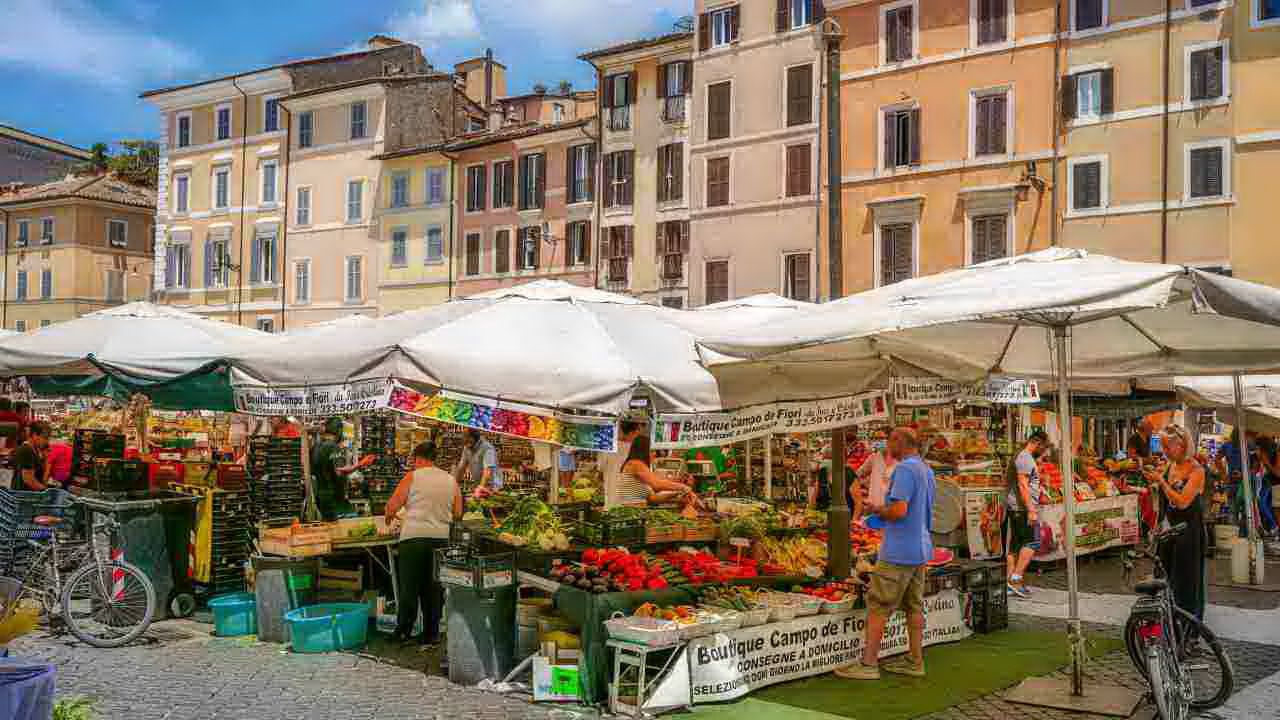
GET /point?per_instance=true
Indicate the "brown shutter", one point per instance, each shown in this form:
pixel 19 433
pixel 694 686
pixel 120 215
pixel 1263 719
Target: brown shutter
pixel 687 76
pixel 568 173
pixel 631 88
pixel 502 252
pixel 798 180
pixel 891 36
pixel 734 18
pixel 978 239
pixel 509 183
pixel 719 98
pixel 704 32
pixel 629 170
pixel 609 199
pixel 677 174
pixel 1108 90
pixel 982 126
pixel 800 277
pixel 482 186
pixel 663 160
pixel 662 79
pixel 905 47
pixel 817 10
pixel 997 113
pixel 628 246
pixel 586 242
pixel 799 95
pixel 684 236
pixel 1068 97
pixel 1213 73
pixel 540 181
pixel 886 255
pixel 915 136
pixel 608 91
pixel 890 139
pixel 997 237
pixel 781 19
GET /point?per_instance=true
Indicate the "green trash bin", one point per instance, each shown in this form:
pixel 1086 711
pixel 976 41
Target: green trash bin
pixel 480 606
pixel 280 585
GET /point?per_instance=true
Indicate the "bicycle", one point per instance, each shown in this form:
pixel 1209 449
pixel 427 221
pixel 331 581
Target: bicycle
pixel 103 601
pixel 1166 642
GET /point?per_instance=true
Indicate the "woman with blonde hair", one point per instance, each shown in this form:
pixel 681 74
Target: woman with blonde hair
pixel 1182 501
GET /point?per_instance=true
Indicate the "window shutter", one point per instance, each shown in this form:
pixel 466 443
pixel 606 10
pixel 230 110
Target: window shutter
pixel 891 36
pixel 1068 97
pixel 586 242
pixel 677 171
pixel 1213 74
pixel 684 236
pixel 664 153
pixel 568 172
pixel 608 92
pixel 1088 185
pixel 817 10
pixel 631 88
pixel 801 273
pixel 208 263
pixel 502 252
pixel 628 242
pixel 169 267
pixel 508 183
pixel 890 139
pixel 997 237
pixel 663 71
pixel 631 176
pixel 1212 172
pixel 1108 91
pixel 905 48
pixel 540 180
pixel 781 18
pixel 591 172
pixel 609 200
pixel 915 136
pixel 686 77
pixel 902 253
pixel 535 242
pixel 886 255
pixel 704 32
pixel 186 265
pixel 482 186
pixel 982 126
pixel 997 113
pixel 255 271
pixel 733 23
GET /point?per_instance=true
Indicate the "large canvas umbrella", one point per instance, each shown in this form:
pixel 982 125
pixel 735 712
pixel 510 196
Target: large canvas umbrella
pixel 1259 399
pixel 1057 314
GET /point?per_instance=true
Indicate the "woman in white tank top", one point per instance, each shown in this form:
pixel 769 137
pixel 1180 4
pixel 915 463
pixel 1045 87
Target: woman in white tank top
pixel 430 500
pixel 638 482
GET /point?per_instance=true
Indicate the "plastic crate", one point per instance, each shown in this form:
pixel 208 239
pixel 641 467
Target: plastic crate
pixel 941 579
pixel 600 530
pixel 988 610
pixel 975 575
pixel 462 566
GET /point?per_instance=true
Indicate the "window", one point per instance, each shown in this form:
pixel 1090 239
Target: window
pixel 45 323
pixel 619 95
pixel 795 14
pixel 184 130
pixel 619 249
pixel 1088 14
pixel 20 325
pixel 269 182
pixel 475 188
pixel 675 303
pixel 716 274
pixel 673 86
pixel 533 181
pixel 719 110
pixel 1208 170
pixel 990 123
pixel 1087 180
pixel 24 230
pixel 473 254
pixel 579 243
pixel 579 163
pixel 557 113
pixel 718 28
pixel 896 253
pixel 1265 12
pixel 799 95
pixel 795 276
pixel 435 186
pixel 618 170
pixel 898 23
pixel 400 190
pixel 46 231
pixel 178 265
pixel 504 185
pixel 118 233
pixel 1206 72
pixel 22 285
pixel 901 138
pixel 306 129
pixel 717 182
pixel 355 279
pixel 989 237
pixel 799 181
pixel 671 172
pixel 399 247
pixel 302 281
pixel 181 194
pixel 223 122
pixel 1088 95
pixel 262 268
pixel 435 245
pixel 530 241
pixel 266 324
pixel 991 21
pixel 502 252
pixel 217 257
pixel 221 188
pixel 270 115
pixel 673 244
pixel 304 206
pixel 359 112
pixel 355 200
pixel 114 291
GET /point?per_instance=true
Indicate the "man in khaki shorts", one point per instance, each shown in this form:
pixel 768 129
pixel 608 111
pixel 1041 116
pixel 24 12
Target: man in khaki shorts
pixel 898 579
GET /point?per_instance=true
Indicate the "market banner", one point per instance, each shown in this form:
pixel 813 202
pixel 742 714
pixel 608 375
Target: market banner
pixel 579 433
pixel 984 514
pixel 729 665
pixel 686 430
pixel 315 400
pixel 1100 524
pixel 935 391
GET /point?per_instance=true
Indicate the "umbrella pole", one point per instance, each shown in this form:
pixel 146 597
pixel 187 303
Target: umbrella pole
pixel 1242 447
pixel 838 514
pixel 1065 452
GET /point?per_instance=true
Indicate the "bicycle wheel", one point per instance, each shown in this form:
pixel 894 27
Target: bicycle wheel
pixel 1162 674
pixel 109 604
pixel 1207 664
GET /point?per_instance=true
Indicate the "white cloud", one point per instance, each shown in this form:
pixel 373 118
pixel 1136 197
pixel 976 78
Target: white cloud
pixel 441 21
pixel 70 37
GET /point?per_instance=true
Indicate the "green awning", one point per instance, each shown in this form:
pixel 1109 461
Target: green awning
pixel 206 388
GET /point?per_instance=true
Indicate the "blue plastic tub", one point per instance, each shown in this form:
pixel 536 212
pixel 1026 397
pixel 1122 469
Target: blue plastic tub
pixel 329 627
pixel 234 614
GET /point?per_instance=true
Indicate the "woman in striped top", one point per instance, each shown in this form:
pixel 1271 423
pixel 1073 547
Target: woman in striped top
pixel 639 484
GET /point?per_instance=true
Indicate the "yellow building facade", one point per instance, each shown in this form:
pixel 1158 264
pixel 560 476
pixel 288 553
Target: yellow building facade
pixel 415 220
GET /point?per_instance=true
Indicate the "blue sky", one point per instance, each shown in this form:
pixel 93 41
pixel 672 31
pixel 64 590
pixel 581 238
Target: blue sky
pixel 73 69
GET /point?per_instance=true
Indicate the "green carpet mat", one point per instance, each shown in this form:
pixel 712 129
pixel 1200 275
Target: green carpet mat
pixel 958 672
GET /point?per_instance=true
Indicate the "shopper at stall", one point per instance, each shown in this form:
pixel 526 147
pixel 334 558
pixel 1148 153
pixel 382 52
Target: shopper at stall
pixel 283 427
pixel 478 465
pixel 330 479
pixel 898 579
pixel 58 463
pixel 1139 445
pixel 1021 517
pixel 29 459
pixel 1268 477
pixel 430 500
pixel 639 484
pixel 611 463
pixel 872 480
pixel 1182 501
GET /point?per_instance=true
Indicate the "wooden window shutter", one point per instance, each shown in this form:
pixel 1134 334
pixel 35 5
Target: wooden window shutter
pixel 718 118
pixel 982 126
pixel 800 95
pixel 663 160
pixel 540 180
pixel 801 274
pixel 629 160
pixel 997 237
pixel 1068 97
pixel 734 18
pixel 782 18
pixel 997 114
pixel 704 32
pixel 663 71
pixel 890 139
pixel 481 186
pixel 886 255
pixel 817 10
pixel 631 88
pixel 591 172
pixel 684 235
pixel 608 92
pixel 535 239
pixel 609 199
pixel 891 36
pixel 586 242
pixel 1213 171
pixel 677 171
pixel 628 240
pixel 687 77
pixel 905 48
pixel 915 136
pixel 1213 73
pixel 799 182
pixel 1108 91
pixel 502 252
pixel 569 165
pixel 1087 180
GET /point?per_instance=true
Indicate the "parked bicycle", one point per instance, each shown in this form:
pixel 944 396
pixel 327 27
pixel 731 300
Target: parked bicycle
pixel 1182 660
pixel 103 601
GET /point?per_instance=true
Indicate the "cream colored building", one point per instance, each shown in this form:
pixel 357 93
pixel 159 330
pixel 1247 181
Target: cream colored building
pixel 415 220
pixel 644 166
pixel 74 246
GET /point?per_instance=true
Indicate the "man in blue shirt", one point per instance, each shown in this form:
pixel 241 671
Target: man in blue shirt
pixel 478 467
pixel 898 579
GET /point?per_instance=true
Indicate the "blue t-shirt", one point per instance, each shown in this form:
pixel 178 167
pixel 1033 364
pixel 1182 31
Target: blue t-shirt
pixel 907 541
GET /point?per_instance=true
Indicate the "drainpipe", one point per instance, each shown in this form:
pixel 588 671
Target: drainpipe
pixel 835 235
pixel 244 161
pixel 4 287
pixel 284 219
pixel 598 170
pixel 1164 138
pixel 1057 120
pixel 824 80
pixel 453 231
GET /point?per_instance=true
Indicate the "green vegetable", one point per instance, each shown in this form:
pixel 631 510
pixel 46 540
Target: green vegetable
pixel 743 527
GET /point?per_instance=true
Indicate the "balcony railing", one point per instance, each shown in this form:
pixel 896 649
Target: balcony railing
pixel 620 118
pixel 673 109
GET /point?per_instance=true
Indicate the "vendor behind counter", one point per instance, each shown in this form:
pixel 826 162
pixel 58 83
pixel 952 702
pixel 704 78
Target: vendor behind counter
pixel 330 479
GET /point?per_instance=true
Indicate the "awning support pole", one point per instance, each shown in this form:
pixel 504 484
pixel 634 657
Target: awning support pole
pixel 1242 447
pixel 1075 637
pixel 838 514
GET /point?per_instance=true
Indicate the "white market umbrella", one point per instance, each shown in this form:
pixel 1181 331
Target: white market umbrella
pixel 335 327
pixel 1059 314
pixel 1260 399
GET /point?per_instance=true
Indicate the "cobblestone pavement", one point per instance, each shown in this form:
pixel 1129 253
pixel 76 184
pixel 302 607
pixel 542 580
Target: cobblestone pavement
pixel 181 673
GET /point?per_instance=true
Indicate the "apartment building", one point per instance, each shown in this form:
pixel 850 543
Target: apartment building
pixel 30 159
pixel 74 246
pixel 525 204
pixel 415 216
pixel 1255 66
pixel 644 130
pixel 948 126
pixel 754 146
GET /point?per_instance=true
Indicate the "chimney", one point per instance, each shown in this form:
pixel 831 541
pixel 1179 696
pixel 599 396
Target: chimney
pixel 381 42
pixel 488 77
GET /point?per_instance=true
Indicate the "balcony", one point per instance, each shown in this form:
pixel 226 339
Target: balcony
pixel 617 272
pixel 620 118
pixel 673 109
pixel 673 267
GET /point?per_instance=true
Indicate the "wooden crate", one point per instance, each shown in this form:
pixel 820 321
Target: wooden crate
pixel 299 541
pixel 703 531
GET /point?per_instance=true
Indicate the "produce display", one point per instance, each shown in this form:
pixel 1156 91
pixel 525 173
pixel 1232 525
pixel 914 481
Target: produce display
pixel 794 556
pixel 741 598
pixel 683 614
pixel 532 521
